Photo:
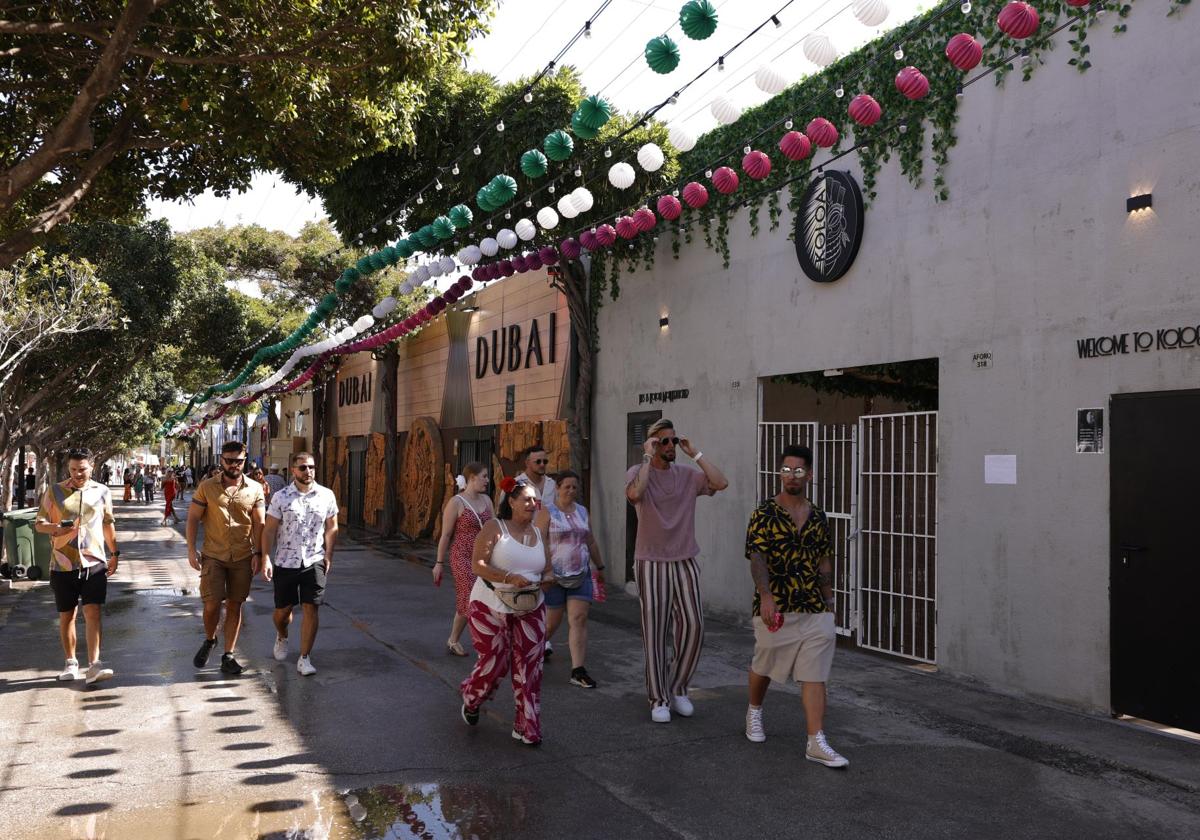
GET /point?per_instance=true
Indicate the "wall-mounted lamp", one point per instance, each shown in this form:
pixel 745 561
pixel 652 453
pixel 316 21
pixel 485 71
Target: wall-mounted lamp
pixel 663 321
pixel 1139 202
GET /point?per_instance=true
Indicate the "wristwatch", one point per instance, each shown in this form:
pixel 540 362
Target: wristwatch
pixel 116 552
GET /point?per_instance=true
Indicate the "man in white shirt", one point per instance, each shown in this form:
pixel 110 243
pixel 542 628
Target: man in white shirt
pixel 536 460
pixel 301 527
pixel 274 480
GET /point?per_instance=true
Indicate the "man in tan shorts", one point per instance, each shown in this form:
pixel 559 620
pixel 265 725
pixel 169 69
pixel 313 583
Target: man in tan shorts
pixel 231 508
pixel 790 553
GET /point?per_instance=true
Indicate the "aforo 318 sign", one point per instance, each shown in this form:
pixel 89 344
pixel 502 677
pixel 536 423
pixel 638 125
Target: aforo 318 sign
pixel 829 226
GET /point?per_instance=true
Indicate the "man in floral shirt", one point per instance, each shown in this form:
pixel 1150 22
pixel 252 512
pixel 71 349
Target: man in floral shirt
pixel 302 528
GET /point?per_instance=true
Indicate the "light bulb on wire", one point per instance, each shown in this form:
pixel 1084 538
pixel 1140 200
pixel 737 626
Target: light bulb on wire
pixel 500 126
pixel 839 92
pixel 607 152
pixel 788 125
pixel 721 64
pixel 454 169
pixel 775 20
pixel 966 7
pixel 578 172
pixel 528 96
pixel 478 150
pixel 899 53
pixel 587 29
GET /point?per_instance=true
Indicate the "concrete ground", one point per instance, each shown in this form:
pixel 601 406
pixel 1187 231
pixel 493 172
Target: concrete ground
pixel 372 746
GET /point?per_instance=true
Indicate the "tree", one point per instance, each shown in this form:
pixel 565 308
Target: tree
pixel 113 101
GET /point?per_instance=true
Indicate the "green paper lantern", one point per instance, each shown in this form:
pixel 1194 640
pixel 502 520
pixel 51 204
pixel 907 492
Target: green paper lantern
pixel 427 236
pixel 698 19
pixel 364 265
pixel 582 131
pixel 484 199
pixel 661 54
pixel 594 112
pixel 376 261
pixel 343 285
pixel 330 302
pixel 534 164
pixel 443 228
pixel 404 249
pixel 390 257
pixel 461 216
pixel 502 189
pixel 558 145
pixel 353 274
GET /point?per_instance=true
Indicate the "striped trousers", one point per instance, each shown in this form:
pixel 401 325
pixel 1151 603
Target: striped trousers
pixel 669 593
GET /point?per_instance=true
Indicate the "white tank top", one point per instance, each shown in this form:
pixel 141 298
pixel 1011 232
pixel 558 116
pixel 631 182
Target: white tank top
pixel 509 555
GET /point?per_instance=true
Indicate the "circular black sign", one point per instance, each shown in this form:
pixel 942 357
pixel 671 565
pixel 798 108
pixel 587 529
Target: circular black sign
pixel 829 226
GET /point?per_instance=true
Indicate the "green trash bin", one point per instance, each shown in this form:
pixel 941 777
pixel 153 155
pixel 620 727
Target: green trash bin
pixel 27 552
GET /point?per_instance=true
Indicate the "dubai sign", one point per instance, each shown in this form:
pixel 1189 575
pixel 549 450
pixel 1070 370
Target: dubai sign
pixel 829 226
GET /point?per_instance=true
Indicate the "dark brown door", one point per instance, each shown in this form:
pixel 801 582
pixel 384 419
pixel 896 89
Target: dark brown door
pixel 1155 563
pixel 638 425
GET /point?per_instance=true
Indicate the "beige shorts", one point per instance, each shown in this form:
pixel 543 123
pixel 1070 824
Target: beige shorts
pixel 224 581
pixel 801 649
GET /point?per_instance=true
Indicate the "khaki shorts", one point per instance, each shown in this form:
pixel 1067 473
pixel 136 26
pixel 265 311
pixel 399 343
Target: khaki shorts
pixel 224 581
pixel 801 649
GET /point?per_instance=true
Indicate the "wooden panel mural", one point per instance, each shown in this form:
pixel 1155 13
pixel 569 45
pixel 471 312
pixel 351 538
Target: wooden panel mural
pixel 423 472
pixel 376 489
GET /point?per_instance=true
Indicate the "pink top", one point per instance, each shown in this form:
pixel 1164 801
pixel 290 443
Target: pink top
pixel 667 512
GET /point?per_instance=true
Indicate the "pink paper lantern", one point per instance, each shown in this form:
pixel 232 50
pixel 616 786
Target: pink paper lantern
pixel 588 240
pixel 864 110
pixel 548 255
pixel 464 282
pixel 480 273
pixel 626 229
pixel 644 219
pixel 695 195
pixel 605 236
pixel 1078 4
pixel 822 132
pixel 534 261
pixel 507 269
pixel 912 83
pixel 756 164
pixel 725 180
pixel 570 248
pixel 496 271
pixel 964 51
pixel 520 264
pixel 452 295
pixel 1018 20
pixel 795 146
pixel 669 207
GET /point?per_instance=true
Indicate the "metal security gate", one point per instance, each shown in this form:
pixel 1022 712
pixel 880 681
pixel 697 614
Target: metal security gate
pixel 877 483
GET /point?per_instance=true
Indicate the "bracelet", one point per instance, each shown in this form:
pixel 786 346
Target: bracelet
pixel 505 578
pixel 699 455
pixel 439 563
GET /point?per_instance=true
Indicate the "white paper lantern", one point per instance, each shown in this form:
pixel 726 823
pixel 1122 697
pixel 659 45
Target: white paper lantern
pixel 435 269
pixel 870 12
pixel 547 218
pixel 770 80
pixel 364 323
pixel 406 288
pixel 345 334
pixel 447 264
pixel 489 247
pixel 470 255
pixel 621 175
pixel 582 198
pixel 507 239
pixel 525 229
pixel 682 139
pixel 819 49
pixel 420 275
pixel 650 157
pixel 567 208
pixel 384 307
pixel 725 110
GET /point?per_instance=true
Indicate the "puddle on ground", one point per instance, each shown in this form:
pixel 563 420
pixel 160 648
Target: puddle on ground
pixel 433 812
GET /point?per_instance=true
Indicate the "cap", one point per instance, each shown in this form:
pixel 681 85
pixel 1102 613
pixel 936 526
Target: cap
pixel 274 466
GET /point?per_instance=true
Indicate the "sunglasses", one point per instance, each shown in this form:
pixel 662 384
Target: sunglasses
pixel 232 461
pixel 542 461
pixel 674 441
pixel 787 472
pixel 305 467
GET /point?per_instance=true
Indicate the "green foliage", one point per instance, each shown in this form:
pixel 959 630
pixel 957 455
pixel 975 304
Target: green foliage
pixel 915 383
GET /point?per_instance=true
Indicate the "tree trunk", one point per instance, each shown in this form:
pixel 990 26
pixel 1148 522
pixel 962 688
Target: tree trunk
pixel 318 432
pixel 387 391
pixel 575 285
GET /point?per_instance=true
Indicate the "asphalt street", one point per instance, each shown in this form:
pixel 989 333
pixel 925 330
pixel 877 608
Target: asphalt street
pixel 372 746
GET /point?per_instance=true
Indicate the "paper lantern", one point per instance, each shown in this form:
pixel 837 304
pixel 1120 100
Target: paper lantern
pixel 364 323
pixel 533 260
pixel 695 195
pixel 502 189
pixel 506 268
pixel 443 228
pixel 490 247
pixel 435 269
pixel 870 12
pixel 404 248
pixel 465 282
pixel 582 130
pixel 864 110
pixel 819 49
pixel 650 157
pixel 582 198
pixel 570 248
pixel 470 255
pixel 567 208
pixel 964 51
pixel 384 307
pixel 621 175
pixel 451 295
pixel 698 19
pixel 406 288
pixel 912 83
pixel 669 207
pixel 725 180
pixel 507 239
pixel 662 55
pixel 558 145
pixel 480 273
pixel 626 229
pixel 769 80
pixel 420 276
pixel 484 199
pixel 822 132
pixel 594 112
pixel 795 146
pixel 725 110
pixel 587 239
pixel 533 164
pixel 1078 4
pixel 756 164
pixel 605 236
pixel 682 139
pixel 1018 20
pixel 519 264
pixel 525 229
pixel 447 264
pixel 494 272
pixel 426 236
pixel 548 255
pixel 644 219
pixel 547 218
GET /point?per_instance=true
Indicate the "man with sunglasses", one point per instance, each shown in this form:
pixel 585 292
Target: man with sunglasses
pixel 231 508
pixel 668 577
pixel 536 461
pixel 302 527
pixel 790 553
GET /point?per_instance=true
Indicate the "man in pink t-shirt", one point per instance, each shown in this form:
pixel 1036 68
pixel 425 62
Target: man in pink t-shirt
pixel 668 577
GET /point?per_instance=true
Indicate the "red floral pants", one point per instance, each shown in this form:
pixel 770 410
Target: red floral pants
pixel 503 640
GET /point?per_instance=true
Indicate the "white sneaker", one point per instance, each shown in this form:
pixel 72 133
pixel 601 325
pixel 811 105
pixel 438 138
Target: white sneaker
pixel 96 672
pixel 280 649
pixel 682 706
pixel 659 713
pixel 70 671
pixel 304 666
pixel 818 750
pixel 754 725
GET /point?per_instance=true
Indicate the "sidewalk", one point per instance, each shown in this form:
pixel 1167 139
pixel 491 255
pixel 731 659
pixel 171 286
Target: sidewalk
pixel 372 745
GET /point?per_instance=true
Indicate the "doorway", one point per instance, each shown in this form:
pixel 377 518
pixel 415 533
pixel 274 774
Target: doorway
pixel 356 478
pixel 637 427
pixel 1154 576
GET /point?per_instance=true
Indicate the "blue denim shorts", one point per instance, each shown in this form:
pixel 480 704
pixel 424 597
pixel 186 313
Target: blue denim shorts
pixel 556 596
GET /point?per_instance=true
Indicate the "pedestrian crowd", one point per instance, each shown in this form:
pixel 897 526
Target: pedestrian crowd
pixel 518 569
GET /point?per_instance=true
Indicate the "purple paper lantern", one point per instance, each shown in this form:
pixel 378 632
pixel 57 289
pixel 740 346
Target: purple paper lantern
pixel 548 255
pixel 534 261
pixel 506 268
pixel 605 236
pixel 570 248
pixel 480 273
pixel 520 264
pixel 644 219
pixel 626 229
pixel 588 240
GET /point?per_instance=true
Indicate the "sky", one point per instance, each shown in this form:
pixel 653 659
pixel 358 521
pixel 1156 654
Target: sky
pixel 526 34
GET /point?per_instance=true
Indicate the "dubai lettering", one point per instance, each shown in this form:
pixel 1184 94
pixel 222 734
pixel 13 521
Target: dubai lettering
pixel 355 390
pixel 510 349
pixel 1138 341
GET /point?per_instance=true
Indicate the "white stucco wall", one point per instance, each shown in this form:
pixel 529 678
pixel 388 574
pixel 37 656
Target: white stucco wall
pixel 1033 250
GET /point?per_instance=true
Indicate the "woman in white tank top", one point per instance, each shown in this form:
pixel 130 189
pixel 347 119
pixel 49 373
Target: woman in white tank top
pixel 506 614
